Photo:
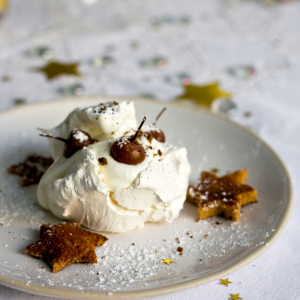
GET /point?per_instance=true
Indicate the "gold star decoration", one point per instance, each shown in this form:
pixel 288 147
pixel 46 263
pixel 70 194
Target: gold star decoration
pixel 54 69
pixel 167 261
pixel 225 281
pixel 204 94
pixel 3 5
pixel 235 297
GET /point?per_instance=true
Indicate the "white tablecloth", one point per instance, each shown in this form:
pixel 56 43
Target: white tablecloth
pixel 217 35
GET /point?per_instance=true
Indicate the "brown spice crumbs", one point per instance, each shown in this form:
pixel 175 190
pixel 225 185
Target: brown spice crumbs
pixel 179 249
pixel 102 161
pixel 32 169
pixel 206 236
pixel 159 152
pixel 149 137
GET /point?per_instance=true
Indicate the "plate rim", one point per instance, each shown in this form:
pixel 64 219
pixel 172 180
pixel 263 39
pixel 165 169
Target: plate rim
pixel 251 256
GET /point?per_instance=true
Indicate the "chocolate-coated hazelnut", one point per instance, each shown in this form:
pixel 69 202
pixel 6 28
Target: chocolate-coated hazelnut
pixel 127 150
pixel 76 140
pixel 157 133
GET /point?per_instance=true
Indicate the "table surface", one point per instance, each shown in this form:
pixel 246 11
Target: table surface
pixel 200 38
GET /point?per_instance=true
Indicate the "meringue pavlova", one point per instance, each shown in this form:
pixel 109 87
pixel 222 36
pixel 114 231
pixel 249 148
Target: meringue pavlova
pixel 109 176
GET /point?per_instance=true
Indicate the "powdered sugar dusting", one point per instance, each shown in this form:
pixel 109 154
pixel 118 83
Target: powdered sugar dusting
pixel 121 142
pixel 110 109
pixel 80 136
pixel 132 260
pixel 129 261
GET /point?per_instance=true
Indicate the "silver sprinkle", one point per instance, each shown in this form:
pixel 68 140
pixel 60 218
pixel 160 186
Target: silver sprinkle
pixel 73 89
pixel 102 61
pixel 242 71
pixel 154 62
pixel 224 107
pixel 40 51
pixel 178 79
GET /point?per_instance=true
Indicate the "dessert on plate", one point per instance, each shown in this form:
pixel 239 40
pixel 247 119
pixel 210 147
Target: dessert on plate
pixel 109 176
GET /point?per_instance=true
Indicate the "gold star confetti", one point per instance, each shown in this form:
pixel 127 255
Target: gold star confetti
pixel 3 5
pixel 204 94
pixel 54 69
pixel 167 261
pixel 214 170
pixel 225 281
pixel 235 297
pixel 5 78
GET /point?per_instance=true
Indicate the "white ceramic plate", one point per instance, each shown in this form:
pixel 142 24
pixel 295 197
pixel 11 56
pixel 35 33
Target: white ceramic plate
pixel 127 271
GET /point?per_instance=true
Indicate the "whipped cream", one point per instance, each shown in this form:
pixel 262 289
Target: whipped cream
pixel 115 197
pixel 103 122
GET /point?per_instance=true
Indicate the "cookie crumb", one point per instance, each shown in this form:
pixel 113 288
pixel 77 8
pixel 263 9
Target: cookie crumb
pixel 102 161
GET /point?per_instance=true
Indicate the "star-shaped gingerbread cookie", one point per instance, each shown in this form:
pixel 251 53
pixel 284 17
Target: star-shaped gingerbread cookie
pixel 221 195
pixel 66 243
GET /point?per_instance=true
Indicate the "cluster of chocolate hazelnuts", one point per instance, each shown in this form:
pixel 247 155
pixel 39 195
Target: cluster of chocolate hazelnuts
pixel 126 150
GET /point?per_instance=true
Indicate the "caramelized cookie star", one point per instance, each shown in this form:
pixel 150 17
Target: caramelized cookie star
pixel 221 195
pixel 66 243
